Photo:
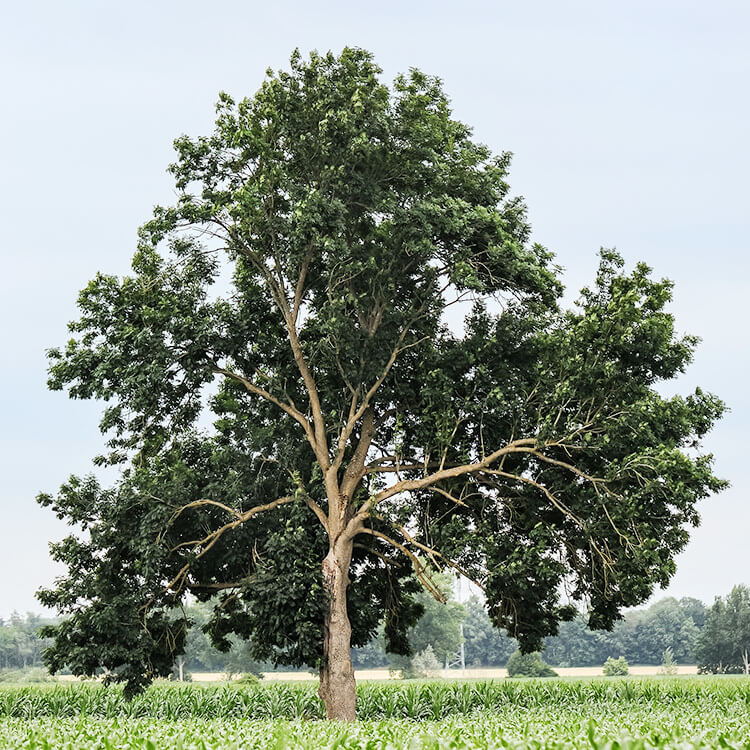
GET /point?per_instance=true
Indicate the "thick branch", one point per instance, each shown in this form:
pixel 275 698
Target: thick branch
pixel 356 468
pixel 457 471
pixel 321 442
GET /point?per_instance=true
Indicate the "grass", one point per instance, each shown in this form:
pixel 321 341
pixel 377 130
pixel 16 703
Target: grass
pixel 618 714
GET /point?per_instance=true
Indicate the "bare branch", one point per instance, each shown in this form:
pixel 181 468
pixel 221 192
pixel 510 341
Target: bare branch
pixel 213 586
pixel 432 553
pixel 450 497
pixel 557 503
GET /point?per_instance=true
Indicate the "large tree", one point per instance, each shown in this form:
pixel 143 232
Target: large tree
pixel 300 430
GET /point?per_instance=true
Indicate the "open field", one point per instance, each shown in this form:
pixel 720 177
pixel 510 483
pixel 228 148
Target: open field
pixel 481 673
pixel 618 714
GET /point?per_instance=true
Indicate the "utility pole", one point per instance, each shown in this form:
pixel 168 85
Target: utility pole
pixel 459 657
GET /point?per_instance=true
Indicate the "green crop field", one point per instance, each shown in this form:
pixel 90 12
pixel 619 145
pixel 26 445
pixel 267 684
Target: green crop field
pixel 692 712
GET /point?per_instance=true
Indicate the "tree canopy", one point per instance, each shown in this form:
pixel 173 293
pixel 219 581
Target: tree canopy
pixel 300 430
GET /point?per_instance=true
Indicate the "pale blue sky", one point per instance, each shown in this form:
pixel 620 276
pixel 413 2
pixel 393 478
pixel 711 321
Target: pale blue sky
pixel 629 122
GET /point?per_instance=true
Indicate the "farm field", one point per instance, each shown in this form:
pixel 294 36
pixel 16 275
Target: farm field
pixel 618 714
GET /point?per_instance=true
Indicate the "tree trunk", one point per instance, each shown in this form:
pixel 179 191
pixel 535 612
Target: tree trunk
pixel 337 685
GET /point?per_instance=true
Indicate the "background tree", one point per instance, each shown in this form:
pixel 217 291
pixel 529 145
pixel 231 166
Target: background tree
pixel 528 665
pixel 577 645
pixel 439 627
pixel 20 643
pixel 297 291
pixel 665 625
pixel 485 645
pixel 724 643
pixel 695 610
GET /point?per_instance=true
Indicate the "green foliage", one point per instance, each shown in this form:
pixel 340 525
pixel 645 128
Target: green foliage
pixel 344 216
pixel 724 643
pixel 20 643
pixel 439 627
pixel 615 667
pixel 641 636
pixel 528 665
pixel 437 632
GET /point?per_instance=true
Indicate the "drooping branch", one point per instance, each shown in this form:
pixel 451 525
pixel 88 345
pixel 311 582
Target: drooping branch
pixel 420 570
pixel 208 541
pixel 560 506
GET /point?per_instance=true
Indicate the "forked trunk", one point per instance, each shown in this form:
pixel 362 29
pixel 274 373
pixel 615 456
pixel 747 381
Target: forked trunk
pixel 337 685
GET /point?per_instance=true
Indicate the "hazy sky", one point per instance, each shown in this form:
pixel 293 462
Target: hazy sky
pixel 629 122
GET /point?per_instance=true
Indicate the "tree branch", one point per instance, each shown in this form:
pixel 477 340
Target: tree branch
pixel 432 553
pixel 258 391
pixel 430 479
pixel 209 540
pixel 420 570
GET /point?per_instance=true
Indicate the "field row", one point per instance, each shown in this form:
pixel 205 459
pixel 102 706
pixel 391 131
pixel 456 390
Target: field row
pixel 614 729
pixel 612 714
pixel 412 700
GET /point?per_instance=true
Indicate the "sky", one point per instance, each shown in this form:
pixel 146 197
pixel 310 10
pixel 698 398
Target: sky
pixel 628 121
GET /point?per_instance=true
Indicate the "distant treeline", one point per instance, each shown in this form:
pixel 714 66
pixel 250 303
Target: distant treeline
pixel 20 645
pixel 641 637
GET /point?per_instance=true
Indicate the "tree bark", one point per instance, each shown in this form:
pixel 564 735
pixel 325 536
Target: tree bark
pixel 337 687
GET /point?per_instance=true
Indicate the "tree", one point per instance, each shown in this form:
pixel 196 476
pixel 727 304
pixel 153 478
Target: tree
pixel 615 667
pixel 485 644
pixel 439 627
pixel 695 609
pixel 724 643
pixel 528 665
pixel 295 294
pixel 664 625
pixel 576 645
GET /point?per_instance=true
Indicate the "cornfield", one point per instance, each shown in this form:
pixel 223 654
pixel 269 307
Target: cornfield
pixel 617 714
